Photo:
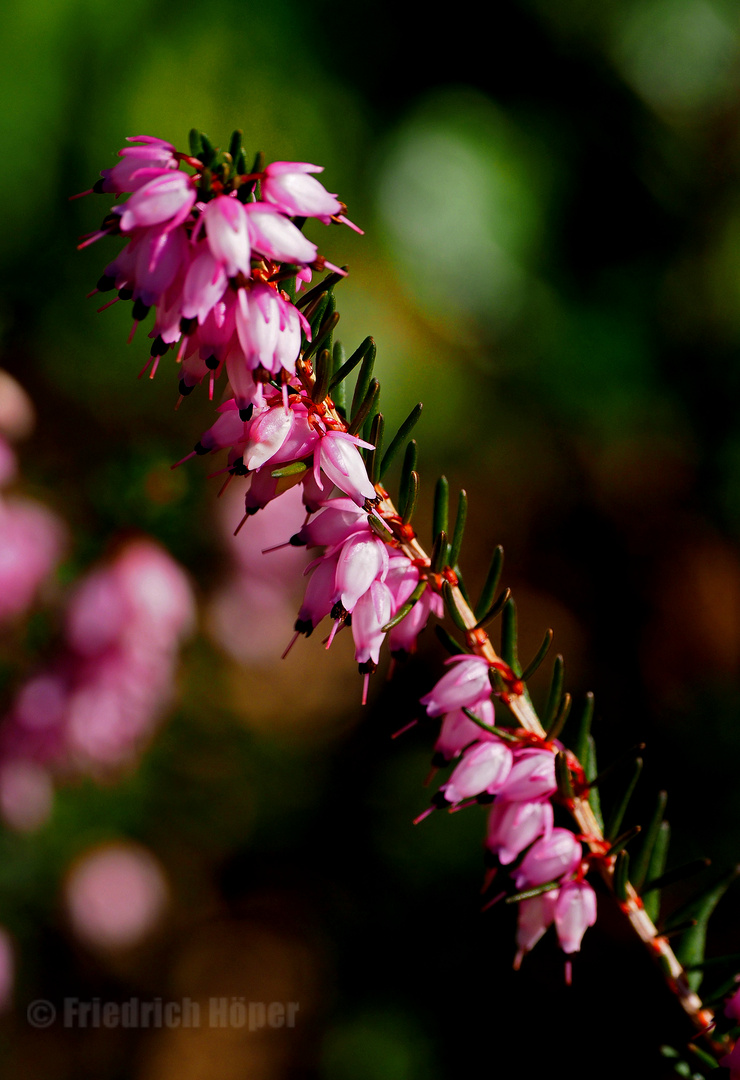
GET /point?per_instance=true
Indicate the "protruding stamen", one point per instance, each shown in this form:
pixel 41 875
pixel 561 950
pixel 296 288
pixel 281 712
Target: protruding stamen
pixel 109 304
pixel 568 972
pixel 183 460
pixel 335 627
pixel 406 727
pixel 80 194
pixel 241 524
pixel 425 814
pixel 365 685
pixel 132 331
pixel 489 903
pixel 293 640
pixel 155 365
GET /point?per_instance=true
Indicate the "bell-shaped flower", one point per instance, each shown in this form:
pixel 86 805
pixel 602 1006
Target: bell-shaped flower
pixel 340 459
pixel 166 199
pixel 267 433
pixel 370 614
pixel 575 911
pixel 482 769
pixel 204 284
pixel 289 186
pixel 362 560
pixel 332 524
pixel 228 429
pixel 404 635
pixel 535 915
pixel 549 859
pixel 321 594
pixel 127 174
pixel 228 235
pixel 513 826
pixel 269 329
pixel 533 776
pixel 158 258
pixel 274 235
pixel 459 731
pixel 463 687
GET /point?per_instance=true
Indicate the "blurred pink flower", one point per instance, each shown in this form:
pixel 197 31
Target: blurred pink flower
pixel 115 895
pixel 31 543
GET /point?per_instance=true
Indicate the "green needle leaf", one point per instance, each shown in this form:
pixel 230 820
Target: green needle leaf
pixel 359 417
pixel 678 873
pixel 410 504
pixel 642 860
pixel 562 775
pixel 621 875
pixel 509 637
pixel 559 722
pixel 457 536
pixel 615 821
pixel 406 608
pixel 495 609
pixel 621 842
pixel 656 869
pixel 438 557
pixel 555 694
pixel 293 469
pixel 527 894
pixel 449 598
pixel 591 770
pixel 440 515
pixel 347 366
pixel 491 583
pixel 322 373
pixel 398 439
pixel 454 648
pixel 580 743
pixel 376 438
pixel 409 465
pixel 691 947
pixel 539 657
pixel 365 375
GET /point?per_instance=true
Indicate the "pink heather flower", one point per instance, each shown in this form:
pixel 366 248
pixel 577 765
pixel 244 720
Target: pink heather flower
pixel 127 174
pixel 533 776
pixel 340 459
pixel 267 433
pixel 403 636
pixel 165 199
pixel 459 731
pixel 370 614
pixel 482 769
pixel 31 543
pixel 269 329
pixel 7 969
pixel 362 560
pixel 332 524
pixel 549 859
pixel 204 284
pixel 731 1061
pixel 535 915
pixel 26 794
pixel 575 911
pixel 512 827
pixel 321 594
pixel 288 185
pixel 464 686
pixel 732 1007
pixel 274 235
pixel 115 895
pixel 228 236
pixel 8 463
pixel 16 410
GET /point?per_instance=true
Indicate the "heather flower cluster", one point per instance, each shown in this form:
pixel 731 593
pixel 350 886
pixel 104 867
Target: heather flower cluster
pixel 501 767
pixel 99 699
pixel 205 250
pixel 208 254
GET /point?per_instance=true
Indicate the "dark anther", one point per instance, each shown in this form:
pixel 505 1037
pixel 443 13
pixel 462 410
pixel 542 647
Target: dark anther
pixel 159 348
pixel 439 800
pixel 187 325
pixel 304 626
pixel 484 798
pixel 489 859
pixel 98 186
pixel 140 310
pixel 367 667
pixel 200 448
pixel 184 388
pixel 240 469
pixel 439 760
pixel 246 414
pixel 125 294
pixel 295 541
pixel 338 610
pixel 106 283
pixel 212 363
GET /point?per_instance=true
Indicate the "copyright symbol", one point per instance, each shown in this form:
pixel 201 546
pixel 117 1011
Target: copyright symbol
pixel 41 1014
